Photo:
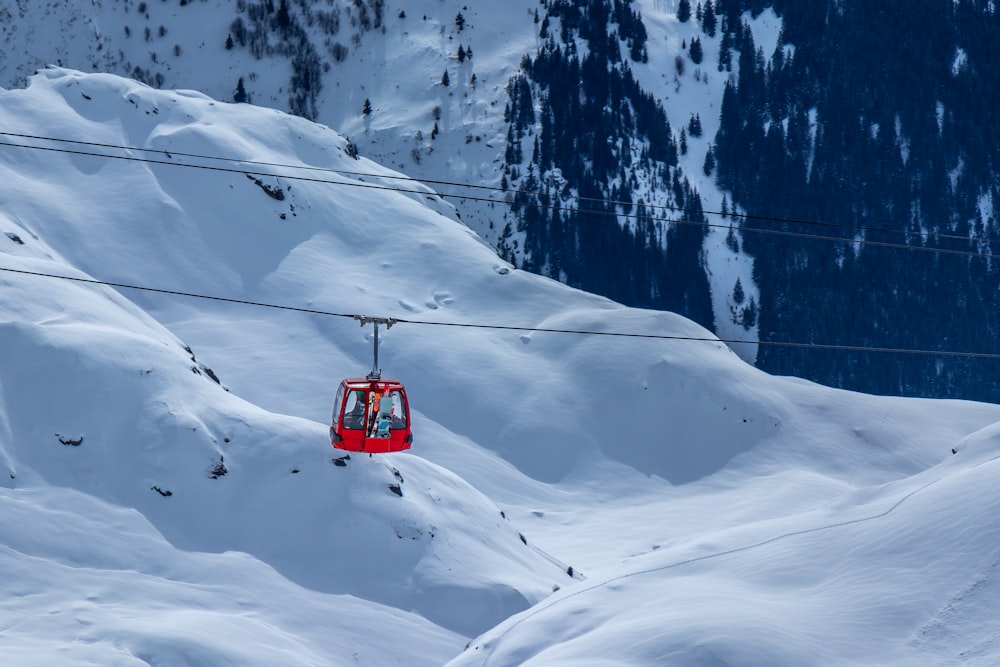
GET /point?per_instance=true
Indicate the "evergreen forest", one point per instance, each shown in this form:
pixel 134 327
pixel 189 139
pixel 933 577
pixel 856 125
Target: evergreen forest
pixel 874 123
pixel 866 138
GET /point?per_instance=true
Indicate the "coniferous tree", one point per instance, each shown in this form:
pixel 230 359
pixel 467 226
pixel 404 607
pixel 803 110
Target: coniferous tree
pixel 684 11
pixel 708 23
pixel 240 96
pixel 445 81
pixel 366 108
pixel 283 18
pixel 725 52
pixel 749 314
pixel 731 242
pixel 709 165
pixel 694 125
pixel 695 51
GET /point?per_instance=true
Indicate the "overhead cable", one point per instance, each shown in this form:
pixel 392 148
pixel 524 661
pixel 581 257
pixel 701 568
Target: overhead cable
pixel 515 191
pixel 503 327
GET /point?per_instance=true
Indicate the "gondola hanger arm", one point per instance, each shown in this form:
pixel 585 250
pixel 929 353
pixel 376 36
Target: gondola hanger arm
pixel 367 319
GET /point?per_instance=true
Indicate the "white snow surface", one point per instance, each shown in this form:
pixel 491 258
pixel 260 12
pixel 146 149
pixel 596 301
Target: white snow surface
pixel 569 498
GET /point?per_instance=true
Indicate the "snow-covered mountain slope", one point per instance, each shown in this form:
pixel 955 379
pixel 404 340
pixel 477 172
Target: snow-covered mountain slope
pixel 100 398
pixel 325 60
pixel 898 574
pixel 543 462
pixel 91 583
pixel 392 54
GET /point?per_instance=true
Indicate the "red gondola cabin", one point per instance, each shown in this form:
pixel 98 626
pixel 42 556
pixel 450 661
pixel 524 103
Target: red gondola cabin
pixel 371 415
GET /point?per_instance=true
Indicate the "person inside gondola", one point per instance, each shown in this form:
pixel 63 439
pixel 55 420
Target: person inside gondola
pixel 354 414
pixel 398 415
pixel 383 422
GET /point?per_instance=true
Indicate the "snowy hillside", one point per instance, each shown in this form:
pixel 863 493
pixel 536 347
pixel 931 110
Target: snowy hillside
pixel 392 54
pixel 435 76
pixel 903 574
pixel 567 495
